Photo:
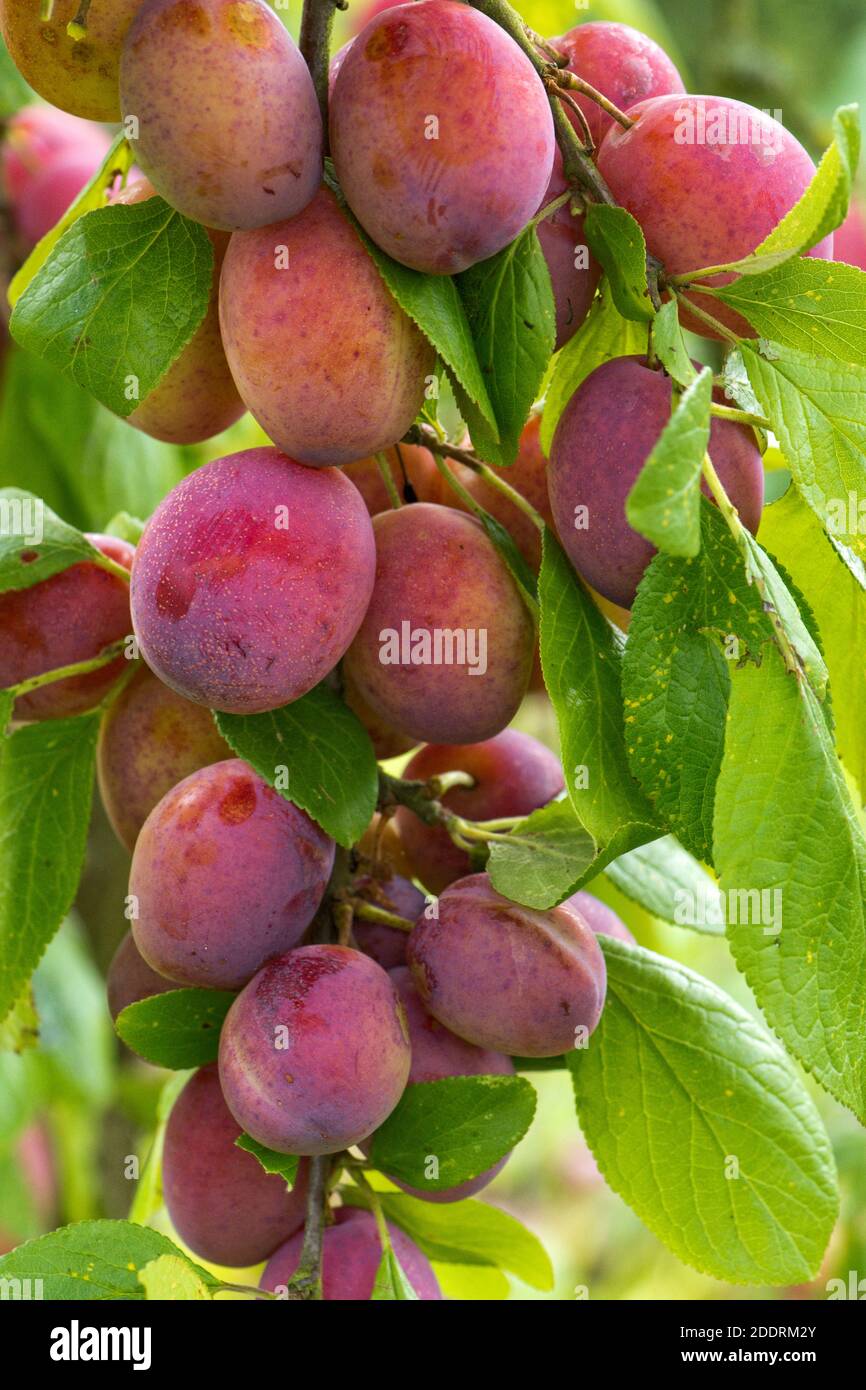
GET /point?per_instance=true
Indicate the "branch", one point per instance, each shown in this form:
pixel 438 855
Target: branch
pixel 306 1284
pixel 317 21
pixel 424 435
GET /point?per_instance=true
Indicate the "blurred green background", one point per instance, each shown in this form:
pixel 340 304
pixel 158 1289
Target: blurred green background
pixel 77 1113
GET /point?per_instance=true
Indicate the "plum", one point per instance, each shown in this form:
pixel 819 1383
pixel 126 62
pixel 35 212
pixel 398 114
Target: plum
pixel 421 474
pixel 597 915
pixel 130 978
pixel 528 476
pixel 352 1253
pixel 221 1202
pixel 441 135
pixel 514 775
pixel 251 579
pixel 574 271
pixel 225 874
pixel 707 178
pixel 621 63
pixel 322 354
pixel 68 618
pixel 387 742
pixel 386 945
pixel 150 740
pixel 849 240
pixel 228 123
pixel 197 396
pixel 507 977
pixel 445 649
pixel 602 441
pixel 48 156
pixel 314 1052
pixel 78 75
pixel 438 1053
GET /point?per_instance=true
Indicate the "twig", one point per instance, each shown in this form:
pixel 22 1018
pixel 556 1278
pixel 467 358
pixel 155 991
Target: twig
pixel 317 21
pixel 306 1284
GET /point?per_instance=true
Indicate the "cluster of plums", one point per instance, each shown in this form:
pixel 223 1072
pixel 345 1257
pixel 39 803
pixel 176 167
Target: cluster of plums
pixel 266 572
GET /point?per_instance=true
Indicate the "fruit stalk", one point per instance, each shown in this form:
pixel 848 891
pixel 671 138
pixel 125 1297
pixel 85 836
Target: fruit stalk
pixel 314 41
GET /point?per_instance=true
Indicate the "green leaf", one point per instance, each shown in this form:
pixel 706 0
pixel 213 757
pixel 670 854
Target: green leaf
pixel 817 409
pixel 824 204
pixel 318 754
pixel 509 305
pixel 34 543
pixel 286 1165
pixel 14 91
pixel 618 243
pixel 46 787
pixel 787 834
pixel 664 503
pixel 391 1284
pixel 545 858
pixel 126 527
pixel 19 1030
pixel 95 1260
pixel 178 1029
pixel 465 1124
pixel 174 1278
pixel 669 883
pixel 581 662
pixel 119 298
pixel 836 595
pixel 815 307
pixel 517 566
pixel 92 196
pixel 603 335
pixel 669 344
pixel 76 1040
pixel 148 1191
pixel 698 1119
pixel 466 1233
pixel 434 303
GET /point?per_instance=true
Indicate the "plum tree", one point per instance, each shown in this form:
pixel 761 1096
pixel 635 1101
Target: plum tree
pixel 603 438
pixel 621 63
pixel 445 649
pixel 574 271
pixel 352 1253
pixel 213 76
pixel 314 1052
pixel 408 464
pixel 130 978
pixel 514 775
pixel 507 977
pixel 47 158
pixel 528 475
pixel 441 135
pixel 251 579
pixel 707 178
pixel 149 740
pixel 63 620
pixel 386 945
pixel 597 915
pixel 438 1053
pixel 225 874
pixel 79 75
pixel 197 396
pixel 325 397
pixel 221 1201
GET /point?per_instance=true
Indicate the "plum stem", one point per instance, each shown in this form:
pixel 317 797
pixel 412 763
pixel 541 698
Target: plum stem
pixel 317 22
pixel 743 417
pixel 578 84
pixel 75 668
pixel 77 27
pixel 388 480
pixel 554 85
pixel 368 912
pixel 423 434
pixel 706 318
pixel 555 55
pixel 444 781
pixel 306 1283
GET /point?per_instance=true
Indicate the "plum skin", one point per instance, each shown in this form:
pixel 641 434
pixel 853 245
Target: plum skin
pixel 528 476
pixel 455 583
pixel 324 397
pixel 221 1202
pixel 623 64
pixel 440 204
pixel 438 1053
pixel 504 976
pixel 47 156
pixel 705 204
pixel 80 76
pixel 149 740
pixel 67 618
pixel 226 873
pixel 346 1056
pixel 597 915
pixel 560 235
pixel 514 775
pixel 602 440
pixel 206 76
pixel 251 579
pixel 130 978
pixel 386 945
pixel 352 1253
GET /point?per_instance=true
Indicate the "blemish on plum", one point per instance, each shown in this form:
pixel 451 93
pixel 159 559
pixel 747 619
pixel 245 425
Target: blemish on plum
pixel 387 42
pixel 239 802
